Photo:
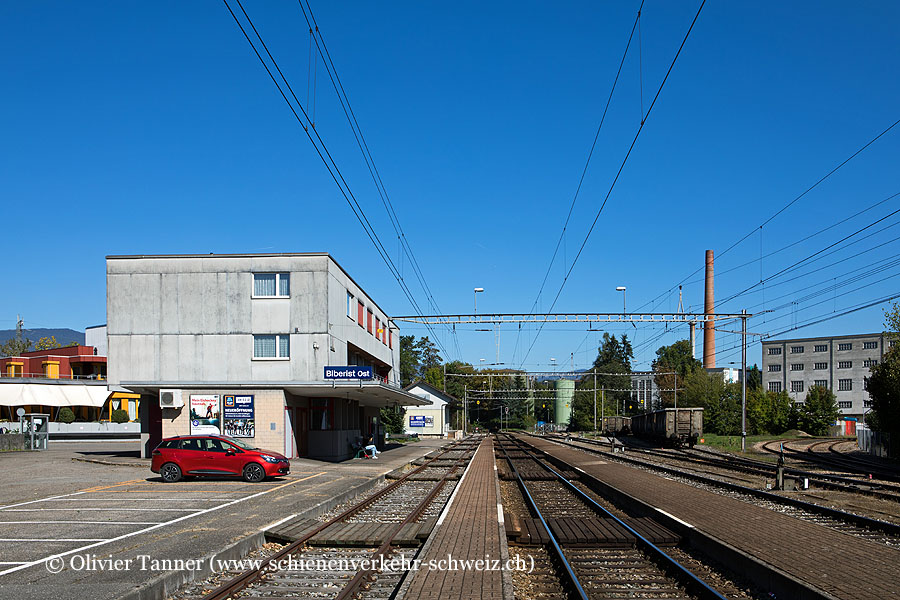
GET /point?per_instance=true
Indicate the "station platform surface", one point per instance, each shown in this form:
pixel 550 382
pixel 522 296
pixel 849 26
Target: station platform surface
pixel 837 563
pixel 470 529
pixel 57 506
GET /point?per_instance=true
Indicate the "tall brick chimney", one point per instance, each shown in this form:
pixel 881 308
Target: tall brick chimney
pixel 709 308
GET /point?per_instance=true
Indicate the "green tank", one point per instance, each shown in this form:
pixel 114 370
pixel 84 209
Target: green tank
pixel 565 397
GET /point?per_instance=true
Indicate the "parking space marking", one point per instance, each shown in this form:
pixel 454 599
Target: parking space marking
pixel 70 522
pixel 53 540
pixel 20 566
pixel 97 488
pixel 41 500
pixel 104 508
pixel 11 563
pixel 138 499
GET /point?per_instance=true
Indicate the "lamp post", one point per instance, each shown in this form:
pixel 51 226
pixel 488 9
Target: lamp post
pixel 477 290
pixel 622 288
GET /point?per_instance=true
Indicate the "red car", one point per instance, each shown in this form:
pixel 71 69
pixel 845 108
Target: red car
pixel 216 455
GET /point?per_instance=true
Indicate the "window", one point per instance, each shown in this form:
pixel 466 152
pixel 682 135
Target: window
pixel 845 364
pixel 350 305
pixel 822 383
pixel 774 351
pixel 821 348
pixel 845 385
pixel 271 285
pixel 796 349
pixel 796 386
pixel 369 316
pixel 845 404
pixel 870 345
pixel 867 403
pixel 797 367
pixel 775 386
pixel 378 328
pixel 870 362
pixel 820 366
pixel 845 346
pixel 360 313
pixel 321 414
pixel 774 368
pixel 272 346
pixel 390 339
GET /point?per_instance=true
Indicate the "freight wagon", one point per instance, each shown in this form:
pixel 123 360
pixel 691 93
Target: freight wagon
pixel 616 425
pixel 681 426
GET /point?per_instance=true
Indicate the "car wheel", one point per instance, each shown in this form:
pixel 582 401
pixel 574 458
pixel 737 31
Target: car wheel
pixel 254 473
pixel 170 473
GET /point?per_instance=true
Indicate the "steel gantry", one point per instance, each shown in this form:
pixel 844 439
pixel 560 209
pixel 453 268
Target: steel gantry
pixel 606 317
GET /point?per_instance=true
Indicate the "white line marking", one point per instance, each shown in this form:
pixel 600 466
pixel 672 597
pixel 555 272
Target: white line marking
pixel 53 540
pixel 161 499
pixel 80 522
pixel 277 523
pixel 11 563
pixel 500 513
pixel 138 532
pixel 41 500
pixel 107 509
pixel 452 496
pixel 671 516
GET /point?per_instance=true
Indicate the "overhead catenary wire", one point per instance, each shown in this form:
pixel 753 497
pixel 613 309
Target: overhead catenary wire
pixel 618 173
pixel 322 151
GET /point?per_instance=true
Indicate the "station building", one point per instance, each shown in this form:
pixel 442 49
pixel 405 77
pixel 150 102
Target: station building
pixel 433 419
pixel 840 363
pixel 284 350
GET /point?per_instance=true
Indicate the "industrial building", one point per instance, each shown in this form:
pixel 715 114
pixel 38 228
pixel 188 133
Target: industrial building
pixel 285 350
pixel 840 363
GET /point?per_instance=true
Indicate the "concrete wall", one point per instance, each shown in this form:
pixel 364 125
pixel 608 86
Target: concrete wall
pixel 11 441
pixel 192 319
pixel 96 337
pixel 268 408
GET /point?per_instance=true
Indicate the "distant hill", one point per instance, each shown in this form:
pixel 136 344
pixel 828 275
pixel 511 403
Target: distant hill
pixel 63 336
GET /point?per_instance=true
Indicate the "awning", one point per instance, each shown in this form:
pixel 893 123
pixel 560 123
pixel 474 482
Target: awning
pixel 22 394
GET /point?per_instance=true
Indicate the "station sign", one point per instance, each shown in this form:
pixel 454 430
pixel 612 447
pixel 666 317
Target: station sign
pixel 421 421
pixel 349 373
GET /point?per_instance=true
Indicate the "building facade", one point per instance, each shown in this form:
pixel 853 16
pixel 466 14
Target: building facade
pixel 840 363
pixel 432 420
pixel 255 345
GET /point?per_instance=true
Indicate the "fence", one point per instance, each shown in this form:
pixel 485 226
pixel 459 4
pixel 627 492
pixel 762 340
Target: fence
pixel 877 443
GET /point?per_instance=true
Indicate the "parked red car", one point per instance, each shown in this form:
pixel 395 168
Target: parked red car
pixel 215 455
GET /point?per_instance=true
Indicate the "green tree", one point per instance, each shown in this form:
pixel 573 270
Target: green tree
pixel 392 417
pixel 754 378
pixel 47 343
pixel 818 412
pixel 14 347
pixel 678 359
pixel 119 416
pixel 770 412
pixel 883 383
pixel 429 357
pixel 410 356
pixel 66 415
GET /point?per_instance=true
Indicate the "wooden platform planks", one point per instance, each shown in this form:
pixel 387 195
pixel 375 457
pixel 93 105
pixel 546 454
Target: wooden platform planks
pixel 587 533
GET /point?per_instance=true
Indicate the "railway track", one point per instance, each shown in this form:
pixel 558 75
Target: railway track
pixel 839 460
pixel 634 570
pixel 311 567
pixel 876 530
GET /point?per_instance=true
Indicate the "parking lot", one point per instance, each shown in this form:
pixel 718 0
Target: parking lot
pixel 53 505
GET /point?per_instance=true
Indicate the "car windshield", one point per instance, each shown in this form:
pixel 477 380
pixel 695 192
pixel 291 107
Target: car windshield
pixel 240 444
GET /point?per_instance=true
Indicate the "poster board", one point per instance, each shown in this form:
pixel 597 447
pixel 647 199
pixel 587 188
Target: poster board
pixel 238 416
pixel 205 414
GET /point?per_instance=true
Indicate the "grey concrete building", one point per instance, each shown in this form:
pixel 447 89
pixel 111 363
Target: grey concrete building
pixel 284 349
pixel 840 363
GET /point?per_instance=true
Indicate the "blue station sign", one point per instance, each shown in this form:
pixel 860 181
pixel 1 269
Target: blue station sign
pixel 348 373
pixel 415 421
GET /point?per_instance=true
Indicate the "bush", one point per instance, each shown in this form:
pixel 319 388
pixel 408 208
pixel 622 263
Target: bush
pixel 66 415
pixel 120 416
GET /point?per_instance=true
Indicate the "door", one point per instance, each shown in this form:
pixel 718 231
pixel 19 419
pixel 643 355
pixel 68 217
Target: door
pixel 290 441
pixel 301 431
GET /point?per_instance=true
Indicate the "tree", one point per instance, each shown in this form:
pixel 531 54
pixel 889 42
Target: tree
pixel 15 347
pixel 818 412
pixel 66 415
pixel 418 360
pixel 410 357
pixel 883 383
pixel 770 412
pixel 723 413
pixel 677 358
pixel 393 419
pixel 47 343
pixel 754 378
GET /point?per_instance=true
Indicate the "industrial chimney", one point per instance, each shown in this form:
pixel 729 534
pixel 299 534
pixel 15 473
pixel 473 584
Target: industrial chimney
pixel 709 308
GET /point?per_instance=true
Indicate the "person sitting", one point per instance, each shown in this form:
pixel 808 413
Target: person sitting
pixel 370 447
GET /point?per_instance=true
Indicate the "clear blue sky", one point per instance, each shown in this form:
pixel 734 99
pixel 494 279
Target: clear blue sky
pixel 152 128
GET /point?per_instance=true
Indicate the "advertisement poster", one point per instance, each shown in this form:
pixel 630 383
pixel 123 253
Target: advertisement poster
pixel 416 421
pixel 238 417
pixel 205 415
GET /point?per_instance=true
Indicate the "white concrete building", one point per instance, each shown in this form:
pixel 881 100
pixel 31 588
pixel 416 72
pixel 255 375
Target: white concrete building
pixel 433 419
pixel 252 345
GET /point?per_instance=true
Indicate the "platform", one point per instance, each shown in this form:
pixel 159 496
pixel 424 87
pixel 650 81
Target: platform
pixel 836 563
pixel 469 528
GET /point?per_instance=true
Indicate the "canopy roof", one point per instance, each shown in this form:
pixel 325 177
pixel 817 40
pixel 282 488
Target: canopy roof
pixel 46 394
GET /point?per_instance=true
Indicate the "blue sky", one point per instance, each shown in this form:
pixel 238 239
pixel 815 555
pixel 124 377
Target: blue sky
pixel 152 128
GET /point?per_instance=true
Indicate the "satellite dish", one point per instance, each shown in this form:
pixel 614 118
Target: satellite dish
pixel 20 411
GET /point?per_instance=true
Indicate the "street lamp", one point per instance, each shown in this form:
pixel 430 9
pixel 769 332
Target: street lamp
pixel 476 298
pixel 621 288
pixel 553 364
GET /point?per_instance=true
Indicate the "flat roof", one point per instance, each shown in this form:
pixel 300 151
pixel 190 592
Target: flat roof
pixel 826 337
pixel 253 255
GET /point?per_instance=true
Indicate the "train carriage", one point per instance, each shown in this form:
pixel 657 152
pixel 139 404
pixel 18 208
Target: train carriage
pixel 680 427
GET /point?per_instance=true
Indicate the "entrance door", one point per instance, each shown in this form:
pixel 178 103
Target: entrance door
pixel 290 441
pixel 302 431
